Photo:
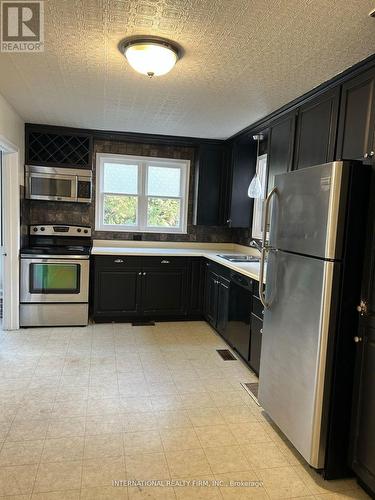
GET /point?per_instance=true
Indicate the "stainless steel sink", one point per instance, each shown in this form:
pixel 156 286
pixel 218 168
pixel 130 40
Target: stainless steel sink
pixel 240 258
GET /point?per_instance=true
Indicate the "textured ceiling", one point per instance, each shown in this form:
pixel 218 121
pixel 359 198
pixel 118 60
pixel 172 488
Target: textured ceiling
pixel 243 59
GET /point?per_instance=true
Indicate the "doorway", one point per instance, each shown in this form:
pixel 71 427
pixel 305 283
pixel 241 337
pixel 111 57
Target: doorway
pixel 9 234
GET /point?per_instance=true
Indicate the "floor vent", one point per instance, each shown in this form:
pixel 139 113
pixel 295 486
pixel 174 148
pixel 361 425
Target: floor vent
pixel 143 323
pixel 252 389
pixel 226 354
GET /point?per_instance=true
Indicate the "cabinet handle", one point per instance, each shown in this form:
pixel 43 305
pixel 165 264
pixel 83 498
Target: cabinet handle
pixel 371 154
pixel 357 339
pixel 261 330
pixel 139 274
pixel 119 261
pixel 144 274
pixel 165 262
pixel 365 155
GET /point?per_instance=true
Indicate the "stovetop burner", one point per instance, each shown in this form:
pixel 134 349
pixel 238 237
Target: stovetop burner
pixel 56 250
pixel 58 240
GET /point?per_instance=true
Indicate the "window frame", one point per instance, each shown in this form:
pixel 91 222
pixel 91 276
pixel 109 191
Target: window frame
pixel 142 162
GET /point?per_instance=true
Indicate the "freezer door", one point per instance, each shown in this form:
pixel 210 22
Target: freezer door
pixel 294 348
pixel 308 213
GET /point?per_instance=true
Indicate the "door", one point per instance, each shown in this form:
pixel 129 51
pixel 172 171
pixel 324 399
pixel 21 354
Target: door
pixel 239 319
pixel 164 292
pixel 222 306
pixel 316 130
pixel 242 170
pixel 294 349
pixel 308 212
pixel 255 343
pixel 357 118
pixel 54 280
pixel 209 187
pixel 117 292
pixel 280 147
pixel 210 297
pixel 363 430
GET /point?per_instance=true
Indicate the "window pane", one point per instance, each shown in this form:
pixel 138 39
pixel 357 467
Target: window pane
pixel 121 210
pixel 120 178
pixel 163 181
pixel 163 213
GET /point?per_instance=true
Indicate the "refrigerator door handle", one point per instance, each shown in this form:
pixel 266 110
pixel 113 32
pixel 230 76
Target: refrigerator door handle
pixel 265 247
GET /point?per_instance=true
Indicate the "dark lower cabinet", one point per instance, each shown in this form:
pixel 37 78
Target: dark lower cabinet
pixel 356 135
pixel 363 422
pixel 117 292
pixel 164 292
pixel 316 130
pixel 216 298
pixel 222 306
pixel 210 298
pixel 255 343
pixel 124 288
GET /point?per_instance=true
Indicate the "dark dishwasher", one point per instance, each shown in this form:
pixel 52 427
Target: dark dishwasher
pixel 239 314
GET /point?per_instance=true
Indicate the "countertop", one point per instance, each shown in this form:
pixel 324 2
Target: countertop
pixel 208 250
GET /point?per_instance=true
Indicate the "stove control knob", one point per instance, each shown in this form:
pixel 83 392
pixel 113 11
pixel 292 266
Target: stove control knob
pixel 79 230
pixel 35 229
pixel 42 228
pixel 85 231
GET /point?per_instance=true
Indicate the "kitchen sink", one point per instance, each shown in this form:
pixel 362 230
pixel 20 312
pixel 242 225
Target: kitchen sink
pixel 240 258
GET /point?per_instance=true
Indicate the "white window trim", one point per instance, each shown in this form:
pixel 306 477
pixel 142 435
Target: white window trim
pixel 141 161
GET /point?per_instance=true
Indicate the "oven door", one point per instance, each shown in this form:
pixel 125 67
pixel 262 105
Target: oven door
pixel 57 187
pixel 54 280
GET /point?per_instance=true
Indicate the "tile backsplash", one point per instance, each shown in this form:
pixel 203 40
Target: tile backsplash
pixel 49 212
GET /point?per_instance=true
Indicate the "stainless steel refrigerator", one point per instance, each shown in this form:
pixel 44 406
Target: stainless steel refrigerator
pixel 309 249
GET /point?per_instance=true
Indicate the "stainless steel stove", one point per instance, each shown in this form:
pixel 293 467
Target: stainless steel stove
pixel 55 276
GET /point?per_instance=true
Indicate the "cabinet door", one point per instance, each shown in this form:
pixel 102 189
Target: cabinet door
pixel 209 186
pixel 210 298
pixel 196 291
pixel 117 292
pixel 363 431
pixel 243 160
pixel 316 130
pixel 164 292
pixel 280 147
pixel 357 118
pixel 255 343
pixel 222 307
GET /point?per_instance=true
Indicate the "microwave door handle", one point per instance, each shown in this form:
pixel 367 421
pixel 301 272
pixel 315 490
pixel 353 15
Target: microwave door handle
pixel 267 203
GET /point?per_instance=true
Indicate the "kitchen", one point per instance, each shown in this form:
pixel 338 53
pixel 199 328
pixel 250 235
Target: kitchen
pixel 195 296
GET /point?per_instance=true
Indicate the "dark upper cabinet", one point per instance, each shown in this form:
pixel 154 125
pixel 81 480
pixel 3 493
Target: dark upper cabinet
pixel 242 159
pixel 164 291
pixel 48 147
pixel 280 147
pixel 209 185
pixel 117 292
pixel 316 130
pixel 357 118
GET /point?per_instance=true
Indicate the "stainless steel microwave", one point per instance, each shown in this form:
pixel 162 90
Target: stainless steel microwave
pixel 58 184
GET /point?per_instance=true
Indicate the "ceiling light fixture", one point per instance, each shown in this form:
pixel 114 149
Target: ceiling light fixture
pixel 151 56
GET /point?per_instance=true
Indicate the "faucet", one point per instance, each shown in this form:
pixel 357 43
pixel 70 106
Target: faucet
pixel 256 245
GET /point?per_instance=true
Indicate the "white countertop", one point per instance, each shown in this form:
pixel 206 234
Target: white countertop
pixel 208 250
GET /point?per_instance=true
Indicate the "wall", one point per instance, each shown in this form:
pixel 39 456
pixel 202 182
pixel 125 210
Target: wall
pixel 37 212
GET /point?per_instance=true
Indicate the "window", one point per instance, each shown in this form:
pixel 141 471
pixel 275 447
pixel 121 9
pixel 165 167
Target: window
pixel 138 193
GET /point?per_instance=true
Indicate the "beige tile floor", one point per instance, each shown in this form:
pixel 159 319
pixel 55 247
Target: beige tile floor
pixel 81 407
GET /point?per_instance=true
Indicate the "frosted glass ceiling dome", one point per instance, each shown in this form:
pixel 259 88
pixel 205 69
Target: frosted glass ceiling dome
pixel 150 56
